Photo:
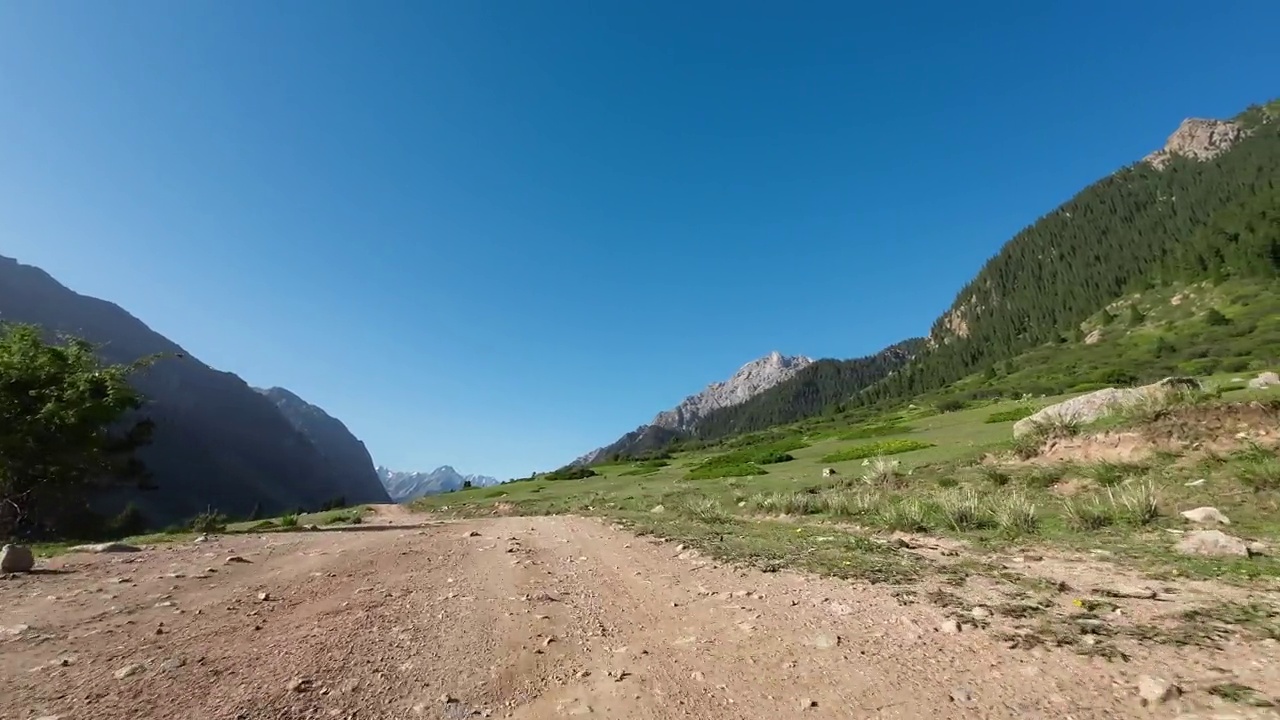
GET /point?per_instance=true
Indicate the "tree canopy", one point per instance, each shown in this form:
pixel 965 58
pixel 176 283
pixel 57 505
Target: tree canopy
pixel 69 428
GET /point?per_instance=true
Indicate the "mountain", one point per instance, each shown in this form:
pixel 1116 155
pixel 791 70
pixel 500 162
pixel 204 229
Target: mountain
pixel 750 380
pixel 217 442
pixel 344 452
pixel 817 388
pixel 406 486
pixel 1120 235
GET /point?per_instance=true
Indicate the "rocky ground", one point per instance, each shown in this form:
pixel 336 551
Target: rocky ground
pixel 549 617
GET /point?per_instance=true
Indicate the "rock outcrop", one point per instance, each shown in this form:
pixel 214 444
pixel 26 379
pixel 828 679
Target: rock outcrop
pixel 1264 381
pixel 750 380
pixel 1096 405
pixel 217 443
pixel 406 486
pixel 1198 139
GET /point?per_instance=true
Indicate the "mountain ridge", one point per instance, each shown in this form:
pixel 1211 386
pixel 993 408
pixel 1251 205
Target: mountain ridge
pixel 404 486
pixel 217 443
pixel 331 437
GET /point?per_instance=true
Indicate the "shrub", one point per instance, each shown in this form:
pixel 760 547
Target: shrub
pixel 850 503
pixel 744 462
pixel 877 430
pixel 1088 514
pixel 884 447
pixel 1110 474
pixel 965 510
pixel 130 521
pixel 707 510
pixel 209 521
pixel 1011 415
pixel 1016 516
pixel 907 515
pixel 569 473
pixel 947 405
pixel 883 472
pixel 289 521
pixel 1215 318
pixel 994 475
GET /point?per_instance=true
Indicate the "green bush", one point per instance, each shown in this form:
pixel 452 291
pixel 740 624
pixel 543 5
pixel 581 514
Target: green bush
pixel 884 447
pixel 289 521
pixel 209 521
pixel 1010 415
pixel 569 473
pixel 876 430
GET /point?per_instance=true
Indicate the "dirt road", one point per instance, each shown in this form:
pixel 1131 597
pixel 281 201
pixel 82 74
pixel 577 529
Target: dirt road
pixel 525 618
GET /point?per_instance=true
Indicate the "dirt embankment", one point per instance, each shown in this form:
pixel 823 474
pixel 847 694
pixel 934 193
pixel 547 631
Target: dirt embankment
pixel 526 618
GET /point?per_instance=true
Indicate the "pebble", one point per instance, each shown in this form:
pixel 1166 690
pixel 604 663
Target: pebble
pixel 234 559
pixel 962 695
pixel 807 703
pixel 949 627
pixel 264 596
pixel 1155 690
pixel 980 613
pixel 299 685
pixel 128 671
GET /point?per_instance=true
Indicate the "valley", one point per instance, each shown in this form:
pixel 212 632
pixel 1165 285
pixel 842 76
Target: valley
pixel 1062 501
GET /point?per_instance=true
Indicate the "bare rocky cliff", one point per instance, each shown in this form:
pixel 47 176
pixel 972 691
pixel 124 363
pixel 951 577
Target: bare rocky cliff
pixel 217 442
pixel 1198 139
pixel 750 380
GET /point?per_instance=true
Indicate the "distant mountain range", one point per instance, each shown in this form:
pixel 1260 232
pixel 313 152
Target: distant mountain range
pixel 406 486
pixel 217 443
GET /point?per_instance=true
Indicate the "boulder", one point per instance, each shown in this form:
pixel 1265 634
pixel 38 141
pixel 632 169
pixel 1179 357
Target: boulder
pixel 1096 405
pixel 1206 515
pixel 107 547
pixel 1214 543
pixel 1264 381
pixel 16 559
pixel 829 472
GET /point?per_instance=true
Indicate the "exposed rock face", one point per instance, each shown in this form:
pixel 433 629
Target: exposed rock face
pixel 1098 404
pixel 1264 381
pixel 345 452
pixel 750 380
pixel 217 442
pixel 406 486
pixel 1197 139
pixel 16 559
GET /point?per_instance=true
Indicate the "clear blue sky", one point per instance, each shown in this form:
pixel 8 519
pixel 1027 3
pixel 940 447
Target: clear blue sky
pixel 498 234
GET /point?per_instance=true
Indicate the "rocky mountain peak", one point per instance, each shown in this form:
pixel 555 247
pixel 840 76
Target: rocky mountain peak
pixel 750 380
pixel 1198 139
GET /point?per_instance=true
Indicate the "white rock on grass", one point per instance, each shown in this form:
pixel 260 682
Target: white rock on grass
pixel 107 547
pixel 1265 380
pixel 1213 543
pixel 1206 515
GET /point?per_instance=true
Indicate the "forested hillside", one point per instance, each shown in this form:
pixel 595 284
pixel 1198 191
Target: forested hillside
pixel 1125 232
pixel 820 387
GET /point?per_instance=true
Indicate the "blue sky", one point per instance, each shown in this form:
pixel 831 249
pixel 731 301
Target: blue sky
pixel 499 234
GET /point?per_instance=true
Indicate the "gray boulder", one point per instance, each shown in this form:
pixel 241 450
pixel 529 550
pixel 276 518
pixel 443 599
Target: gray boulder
pixel 1264 381
pixel 16 559
pixel 1096 405
pixel 1213 543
